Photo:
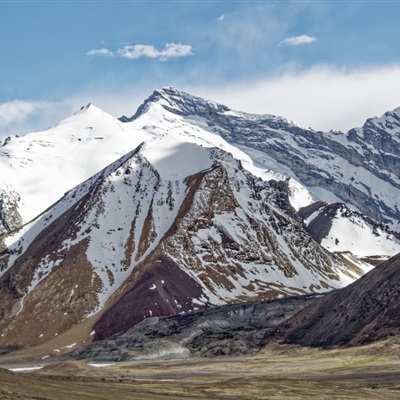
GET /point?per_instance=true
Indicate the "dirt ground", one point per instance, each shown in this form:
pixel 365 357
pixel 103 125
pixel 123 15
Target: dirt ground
pixel 277 372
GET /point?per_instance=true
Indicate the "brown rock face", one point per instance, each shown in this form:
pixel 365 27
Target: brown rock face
pixel 162 289
pixel 38 304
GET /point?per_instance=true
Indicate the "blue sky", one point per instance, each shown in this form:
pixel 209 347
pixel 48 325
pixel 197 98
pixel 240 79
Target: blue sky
pixel 325 64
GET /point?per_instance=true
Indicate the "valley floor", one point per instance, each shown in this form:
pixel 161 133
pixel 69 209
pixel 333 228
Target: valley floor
pixel 276 372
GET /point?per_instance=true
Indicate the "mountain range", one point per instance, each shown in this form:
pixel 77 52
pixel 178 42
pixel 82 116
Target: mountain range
pixel 183 206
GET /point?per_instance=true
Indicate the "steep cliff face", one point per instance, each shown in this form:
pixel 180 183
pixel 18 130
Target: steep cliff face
pixel 9 215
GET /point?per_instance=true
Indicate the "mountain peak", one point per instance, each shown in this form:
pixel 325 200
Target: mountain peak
pixel 394 112
pixel 177 102
pixel 184 104
pixel 389 121
pixel 88 115
pixel 88 107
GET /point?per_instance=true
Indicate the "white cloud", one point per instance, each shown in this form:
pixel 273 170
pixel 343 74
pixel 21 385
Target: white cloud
pixel 249 30
pixel 18 117
pixel 322 97
pixel 138 51
pixel 171 50
pixel 17 110
pixel 299 40
pixel 176 50
pixel 100 52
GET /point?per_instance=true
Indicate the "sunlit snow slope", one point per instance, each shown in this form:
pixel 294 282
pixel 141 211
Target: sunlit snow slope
pixel 40 167
pixel 340 229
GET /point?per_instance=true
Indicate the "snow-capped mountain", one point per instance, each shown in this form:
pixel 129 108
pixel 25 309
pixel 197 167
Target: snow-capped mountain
pixel 360 168
pixel 171 226
pixel 185 205
pixel 164 239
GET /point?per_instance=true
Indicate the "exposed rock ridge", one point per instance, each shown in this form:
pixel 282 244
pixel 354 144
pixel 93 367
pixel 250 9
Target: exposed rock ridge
pixel 331 209
pixel 9 216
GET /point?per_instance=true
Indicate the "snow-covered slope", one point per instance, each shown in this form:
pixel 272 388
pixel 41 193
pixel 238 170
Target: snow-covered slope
pixel 340 229
pixel 40 167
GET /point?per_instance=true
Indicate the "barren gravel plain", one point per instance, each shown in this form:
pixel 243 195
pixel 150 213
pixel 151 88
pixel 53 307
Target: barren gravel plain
pixel 276 372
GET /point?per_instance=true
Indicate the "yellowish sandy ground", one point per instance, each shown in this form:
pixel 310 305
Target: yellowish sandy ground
pixel 277 372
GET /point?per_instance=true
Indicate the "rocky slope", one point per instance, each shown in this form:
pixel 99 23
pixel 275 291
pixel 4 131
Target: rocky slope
pixel 363 312
pixel 222 330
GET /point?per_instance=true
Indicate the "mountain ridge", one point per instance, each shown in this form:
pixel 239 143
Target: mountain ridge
pixel 293 146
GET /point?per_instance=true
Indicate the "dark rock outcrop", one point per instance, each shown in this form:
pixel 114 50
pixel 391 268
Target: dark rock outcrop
pixel 363 312
pixel 223 330
pixel 9 215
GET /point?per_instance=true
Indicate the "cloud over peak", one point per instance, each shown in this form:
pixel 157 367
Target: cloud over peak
pixel 19 116
pixel 299 40
pixel 133 52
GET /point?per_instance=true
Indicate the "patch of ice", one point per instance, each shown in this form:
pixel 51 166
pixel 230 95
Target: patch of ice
pixel 23 369
pixel 70 346
pixel 100 365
